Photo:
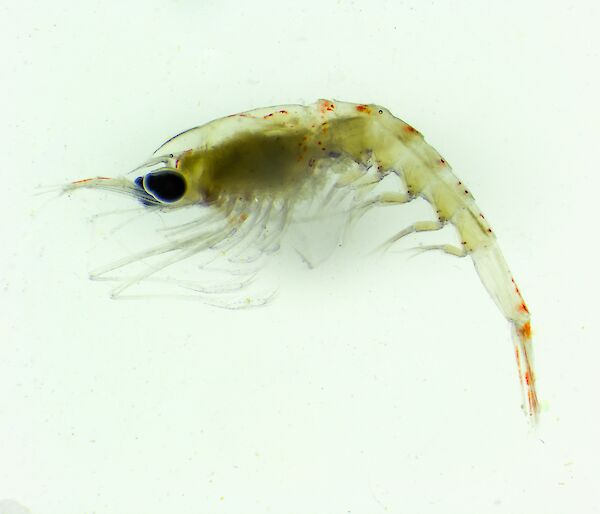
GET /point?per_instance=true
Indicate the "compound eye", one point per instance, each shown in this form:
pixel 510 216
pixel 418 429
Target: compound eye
pixel 166 186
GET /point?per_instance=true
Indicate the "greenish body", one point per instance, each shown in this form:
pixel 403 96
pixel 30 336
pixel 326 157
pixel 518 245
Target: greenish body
pixel 249 164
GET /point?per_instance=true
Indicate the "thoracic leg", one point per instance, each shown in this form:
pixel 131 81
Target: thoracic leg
pixel 418 226
pixel 456 251
pixel 388 198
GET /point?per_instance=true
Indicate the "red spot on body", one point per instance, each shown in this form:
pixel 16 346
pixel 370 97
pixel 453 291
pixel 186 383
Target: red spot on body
pixel 274 113
pixel 363 108
pixel 533 403
pixel 525 330
pixel 523 308
pixel 517 355
pixel 516 288
pixel 411 129
pixel 327 106
pixel 243 217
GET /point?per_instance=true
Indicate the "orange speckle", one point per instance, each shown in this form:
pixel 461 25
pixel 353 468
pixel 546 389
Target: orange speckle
pixel 517 355
pixel 327 106
pixel 274 113
pixel 363 108
pixel 525 330
pixel 533 403
pixel 516 288
pixel 527 378
pixel 412 130
pixel 523 308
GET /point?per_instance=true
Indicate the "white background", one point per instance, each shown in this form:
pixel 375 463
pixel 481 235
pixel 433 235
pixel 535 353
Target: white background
pixel 368 385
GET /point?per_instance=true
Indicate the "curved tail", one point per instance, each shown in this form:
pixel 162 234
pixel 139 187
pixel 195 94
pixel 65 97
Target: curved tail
pixel 497 279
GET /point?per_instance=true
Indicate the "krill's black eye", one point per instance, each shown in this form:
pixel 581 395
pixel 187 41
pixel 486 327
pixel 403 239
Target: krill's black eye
pixel 166 186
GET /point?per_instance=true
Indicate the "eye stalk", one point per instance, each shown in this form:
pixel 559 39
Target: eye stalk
pixel 167 186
